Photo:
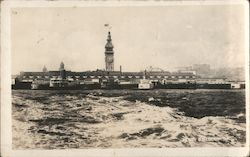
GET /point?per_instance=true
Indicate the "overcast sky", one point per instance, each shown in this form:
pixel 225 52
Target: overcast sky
pixel 159 36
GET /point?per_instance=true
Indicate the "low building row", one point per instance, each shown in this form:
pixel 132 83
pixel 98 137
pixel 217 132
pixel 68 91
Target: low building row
pixel 117 79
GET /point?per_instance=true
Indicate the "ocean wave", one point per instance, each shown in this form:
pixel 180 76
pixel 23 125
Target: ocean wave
pixel 96 121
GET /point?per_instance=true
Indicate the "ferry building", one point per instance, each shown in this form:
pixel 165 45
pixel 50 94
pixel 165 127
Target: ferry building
pixel 103 77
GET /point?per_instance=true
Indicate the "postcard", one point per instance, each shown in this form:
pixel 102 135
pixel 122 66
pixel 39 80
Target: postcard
pixel 123 78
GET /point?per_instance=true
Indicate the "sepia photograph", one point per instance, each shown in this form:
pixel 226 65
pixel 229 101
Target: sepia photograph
pixel 125 76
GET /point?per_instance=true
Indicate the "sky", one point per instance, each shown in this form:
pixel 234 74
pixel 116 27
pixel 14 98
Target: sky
pixel 160 36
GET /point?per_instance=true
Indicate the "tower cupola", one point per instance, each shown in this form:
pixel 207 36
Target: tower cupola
pixel 109 46
pixel 61 66
pixel 45 69
pixel 62 71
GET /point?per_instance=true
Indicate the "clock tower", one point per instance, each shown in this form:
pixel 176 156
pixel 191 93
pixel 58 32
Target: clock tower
pixel 109 54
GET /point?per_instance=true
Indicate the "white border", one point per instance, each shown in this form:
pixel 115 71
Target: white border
pixel 6 132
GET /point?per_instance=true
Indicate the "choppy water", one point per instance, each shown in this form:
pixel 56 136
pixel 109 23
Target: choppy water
pixel 128 119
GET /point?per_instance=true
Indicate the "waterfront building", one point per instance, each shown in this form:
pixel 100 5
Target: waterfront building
pixel 105 75
pixel 104 78
pixel 202 70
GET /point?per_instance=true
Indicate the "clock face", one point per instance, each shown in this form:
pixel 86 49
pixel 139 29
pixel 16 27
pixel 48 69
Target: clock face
pixel 110 59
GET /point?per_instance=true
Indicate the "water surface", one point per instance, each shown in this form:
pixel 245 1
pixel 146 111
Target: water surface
pixel 46 119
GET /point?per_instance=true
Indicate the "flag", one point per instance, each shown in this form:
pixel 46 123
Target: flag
pixel 107 26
